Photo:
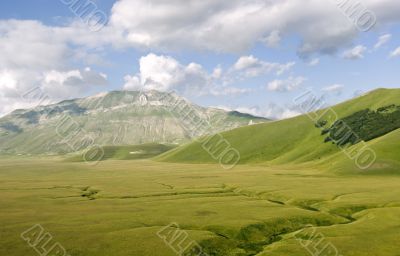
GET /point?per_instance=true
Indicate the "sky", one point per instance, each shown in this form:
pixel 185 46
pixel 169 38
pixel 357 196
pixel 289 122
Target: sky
pixel 248 55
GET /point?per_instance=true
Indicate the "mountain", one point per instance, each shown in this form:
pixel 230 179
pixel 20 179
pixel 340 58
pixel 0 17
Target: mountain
pixel 114 119
pixel 375 117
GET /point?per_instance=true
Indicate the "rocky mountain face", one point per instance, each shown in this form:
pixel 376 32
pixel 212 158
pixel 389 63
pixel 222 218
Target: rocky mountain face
pixel 114 118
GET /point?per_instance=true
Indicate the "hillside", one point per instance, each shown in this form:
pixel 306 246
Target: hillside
pixel 298 140
pixel 117 118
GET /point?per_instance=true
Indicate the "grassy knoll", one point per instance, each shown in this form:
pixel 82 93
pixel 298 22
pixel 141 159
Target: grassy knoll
pixel 117 207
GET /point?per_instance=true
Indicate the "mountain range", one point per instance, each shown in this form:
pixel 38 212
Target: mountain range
pixel 359 134
pixel 115 118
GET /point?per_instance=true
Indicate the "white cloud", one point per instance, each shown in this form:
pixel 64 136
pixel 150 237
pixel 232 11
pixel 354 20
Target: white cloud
pixel 214 25
pixel 235 26
pixel 230 26
pixel 395 53
pixel 314 62
pixel 355 53
pixel 335 89
pixel 287 85
pixel 33 55
pixel 273 39
pixel 287 113
pixel 227 90
pixel 50 86
pixel 8 81
pixel 70 84
pixel 217 73
pixel 246 62
pixel 29 44
pixel 272 111
pixel 382 40
pixel 164 73
pixel 250 66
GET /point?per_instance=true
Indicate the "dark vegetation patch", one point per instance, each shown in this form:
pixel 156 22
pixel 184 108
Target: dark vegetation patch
pixel 11 127
pixel 69 107
pixel 276 201
pixel 32 117
pixel 251 239
pixel 244 115
pixel 363 125
pixel 307 204
pixel 89 193
pixel 348 211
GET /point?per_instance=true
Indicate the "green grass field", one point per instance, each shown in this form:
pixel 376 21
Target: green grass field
pixel 117 207
pixel 291 195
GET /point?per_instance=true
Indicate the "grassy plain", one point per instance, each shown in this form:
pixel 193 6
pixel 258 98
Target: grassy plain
pixel 117 207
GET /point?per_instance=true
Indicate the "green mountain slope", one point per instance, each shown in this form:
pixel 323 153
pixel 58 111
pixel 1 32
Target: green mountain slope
pixel 298 140
pixel 116 118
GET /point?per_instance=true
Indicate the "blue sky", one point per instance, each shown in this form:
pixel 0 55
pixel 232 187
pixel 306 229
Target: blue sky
pixel 251 56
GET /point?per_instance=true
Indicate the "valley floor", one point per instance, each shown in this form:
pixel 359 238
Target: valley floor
pixel 122 208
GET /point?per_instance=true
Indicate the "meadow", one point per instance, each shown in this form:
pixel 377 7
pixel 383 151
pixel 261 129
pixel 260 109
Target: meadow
pixel 119 207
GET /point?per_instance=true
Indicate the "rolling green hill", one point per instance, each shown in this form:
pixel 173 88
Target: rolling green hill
pixel 299 141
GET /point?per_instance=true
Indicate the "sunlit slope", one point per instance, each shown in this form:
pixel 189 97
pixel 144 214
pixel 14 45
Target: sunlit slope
pixel 294 140
pixel 387 150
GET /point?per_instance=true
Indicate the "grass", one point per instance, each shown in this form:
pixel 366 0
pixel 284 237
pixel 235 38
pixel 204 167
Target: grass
pixel 117 207
pixel 298 141
pixel 133 152
pixel 287 180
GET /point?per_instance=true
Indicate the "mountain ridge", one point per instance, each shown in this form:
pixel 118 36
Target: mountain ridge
pixel 113 118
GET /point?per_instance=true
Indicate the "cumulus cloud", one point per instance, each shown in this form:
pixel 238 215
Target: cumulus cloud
pixel 251 66
pixel 164 73
pixel 273 39
pixel 213 25
pixel 235 26
pixel 17 86
pixel 286 85
pixel 395 53
pixel 70 84
pixel 355 53
pixel 382 40
pixel 23 44
pixel 33 55
pixel 231 26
